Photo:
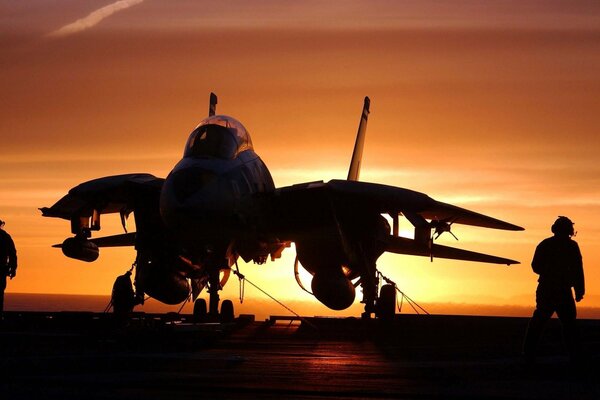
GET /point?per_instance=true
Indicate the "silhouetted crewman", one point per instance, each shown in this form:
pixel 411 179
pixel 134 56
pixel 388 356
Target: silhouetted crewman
pixel 123 298
pixel 557 260
pixel 8 262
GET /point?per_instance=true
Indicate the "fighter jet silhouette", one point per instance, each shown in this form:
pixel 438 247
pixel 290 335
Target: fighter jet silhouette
pixel 219 203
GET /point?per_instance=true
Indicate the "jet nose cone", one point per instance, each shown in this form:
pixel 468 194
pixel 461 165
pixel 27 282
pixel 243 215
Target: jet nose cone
pixel 189 181
pixel 189 197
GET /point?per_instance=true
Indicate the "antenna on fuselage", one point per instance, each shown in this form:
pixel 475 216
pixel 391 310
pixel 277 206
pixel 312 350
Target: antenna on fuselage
pixel 354 170
pixel 212 108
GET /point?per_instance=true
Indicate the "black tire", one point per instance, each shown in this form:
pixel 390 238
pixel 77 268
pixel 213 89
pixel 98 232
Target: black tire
pixel 227 314
pixel 200 310
pixel 386 303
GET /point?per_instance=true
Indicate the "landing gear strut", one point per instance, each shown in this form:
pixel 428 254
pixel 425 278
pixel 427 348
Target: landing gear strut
pixel 214 286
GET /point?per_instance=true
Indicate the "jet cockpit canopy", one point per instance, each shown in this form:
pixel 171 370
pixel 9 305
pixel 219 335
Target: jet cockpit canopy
pixel 219 136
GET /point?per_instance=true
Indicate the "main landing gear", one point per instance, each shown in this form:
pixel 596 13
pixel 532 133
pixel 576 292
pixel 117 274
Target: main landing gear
pixel 384 305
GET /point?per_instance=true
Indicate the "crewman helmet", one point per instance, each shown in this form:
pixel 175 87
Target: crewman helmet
pixel 563 226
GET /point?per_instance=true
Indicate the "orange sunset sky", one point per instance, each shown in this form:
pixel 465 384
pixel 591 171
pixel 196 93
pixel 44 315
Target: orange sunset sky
pixel 493 106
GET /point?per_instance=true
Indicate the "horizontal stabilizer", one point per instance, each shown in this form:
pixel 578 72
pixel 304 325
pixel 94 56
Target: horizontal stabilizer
pixel 401 245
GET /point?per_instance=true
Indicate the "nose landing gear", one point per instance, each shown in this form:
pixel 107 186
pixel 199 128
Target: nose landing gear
pixel 201 313
pixel 212 314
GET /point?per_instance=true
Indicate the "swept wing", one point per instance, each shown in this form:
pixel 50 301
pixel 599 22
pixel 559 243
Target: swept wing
pixel 85 203
pixel 347 202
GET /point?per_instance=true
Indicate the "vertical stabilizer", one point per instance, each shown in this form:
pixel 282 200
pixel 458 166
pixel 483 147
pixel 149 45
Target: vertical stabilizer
pixel 354 171
pixel 212 108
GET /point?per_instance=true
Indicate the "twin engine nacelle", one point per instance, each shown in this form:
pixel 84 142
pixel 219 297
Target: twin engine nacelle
pixel 80 249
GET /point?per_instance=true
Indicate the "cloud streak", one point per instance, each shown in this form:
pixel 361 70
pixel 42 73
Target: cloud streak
pixel 93 18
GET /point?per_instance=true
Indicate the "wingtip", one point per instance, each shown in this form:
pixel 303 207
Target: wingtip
pixel 45 211
pixel 512 227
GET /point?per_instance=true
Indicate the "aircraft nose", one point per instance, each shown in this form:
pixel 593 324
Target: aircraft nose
pixel 188 181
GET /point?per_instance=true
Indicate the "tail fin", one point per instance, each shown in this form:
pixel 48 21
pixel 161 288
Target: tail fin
pixel 212 108
pixel 354 170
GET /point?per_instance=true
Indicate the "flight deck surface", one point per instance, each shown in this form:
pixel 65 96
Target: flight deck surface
pixel 83 356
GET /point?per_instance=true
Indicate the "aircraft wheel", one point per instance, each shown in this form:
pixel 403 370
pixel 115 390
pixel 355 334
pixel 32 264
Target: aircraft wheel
pixel 386 303
pixel 200 310
pixel 227 314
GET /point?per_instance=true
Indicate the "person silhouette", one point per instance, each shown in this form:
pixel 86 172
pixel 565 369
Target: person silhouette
pixel 123 298
pixel 8 262
pixel 558 262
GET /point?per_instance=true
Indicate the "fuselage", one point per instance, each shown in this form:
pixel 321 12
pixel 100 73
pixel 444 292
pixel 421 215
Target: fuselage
pixel 203 200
